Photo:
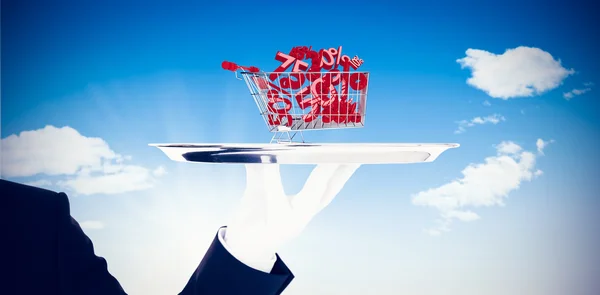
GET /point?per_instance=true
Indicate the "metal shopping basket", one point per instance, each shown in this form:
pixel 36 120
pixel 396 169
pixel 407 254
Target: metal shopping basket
pixel 293 102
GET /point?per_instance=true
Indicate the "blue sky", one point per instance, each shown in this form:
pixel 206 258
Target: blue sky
pixel 136 73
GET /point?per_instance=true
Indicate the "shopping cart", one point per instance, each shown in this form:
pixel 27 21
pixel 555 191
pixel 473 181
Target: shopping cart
pixel 293 102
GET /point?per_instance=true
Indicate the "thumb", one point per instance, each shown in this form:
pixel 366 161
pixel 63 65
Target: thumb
pixel 336 182
pixel 323 184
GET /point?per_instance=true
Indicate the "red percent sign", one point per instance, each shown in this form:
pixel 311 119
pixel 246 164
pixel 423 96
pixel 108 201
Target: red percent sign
pixel 320 94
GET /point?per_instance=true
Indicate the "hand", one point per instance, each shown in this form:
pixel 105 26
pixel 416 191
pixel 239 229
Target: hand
pixel 267 218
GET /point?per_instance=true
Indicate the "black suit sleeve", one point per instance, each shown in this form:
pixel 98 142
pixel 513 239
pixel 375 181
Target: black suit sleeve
pixel 220 273
pixel 80 270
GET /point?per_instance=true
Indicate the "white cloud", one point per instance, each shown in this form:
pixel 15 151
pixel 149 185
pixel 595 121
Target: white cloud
pixel 508 148
pixel 482 185
pixel 52 151
pixel 575 92
pixel 442 227
pixel 126 179
pixel 461 215
pixel 487 103
pixel 91 224
pixel 433 232
pixel 491 119
pixel 39 183
pixel 580 91
pixel 86 164
pixel 541 144
pixel 519 72
pixel 160 171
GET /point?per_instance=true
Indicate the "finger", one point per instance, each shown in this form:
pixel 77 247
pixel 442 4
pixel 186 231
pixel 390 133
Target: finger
pixel 277 203
pixel 337 182
pixel 255 175
pixel 253 201
pixel 263 185
pixel 309 198
pixel 272 179
pixel 264 181
pixel 253 197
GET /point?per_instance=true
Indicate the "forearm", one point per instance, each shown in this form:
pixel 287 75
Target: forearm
pixel 263 262
pixel 81 271
pixel 220 272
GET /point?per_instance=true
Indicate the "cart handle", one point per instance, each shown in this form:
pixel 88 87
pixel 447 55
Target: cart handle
pixel 230 66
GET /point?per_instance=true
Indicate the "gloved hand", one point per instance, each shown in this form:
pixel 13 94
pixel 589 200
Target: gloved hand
pixel 267 218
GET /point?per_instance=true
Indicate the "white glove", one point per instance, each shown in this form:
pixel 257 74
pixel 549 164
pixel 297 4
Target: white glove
pixel 267 218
